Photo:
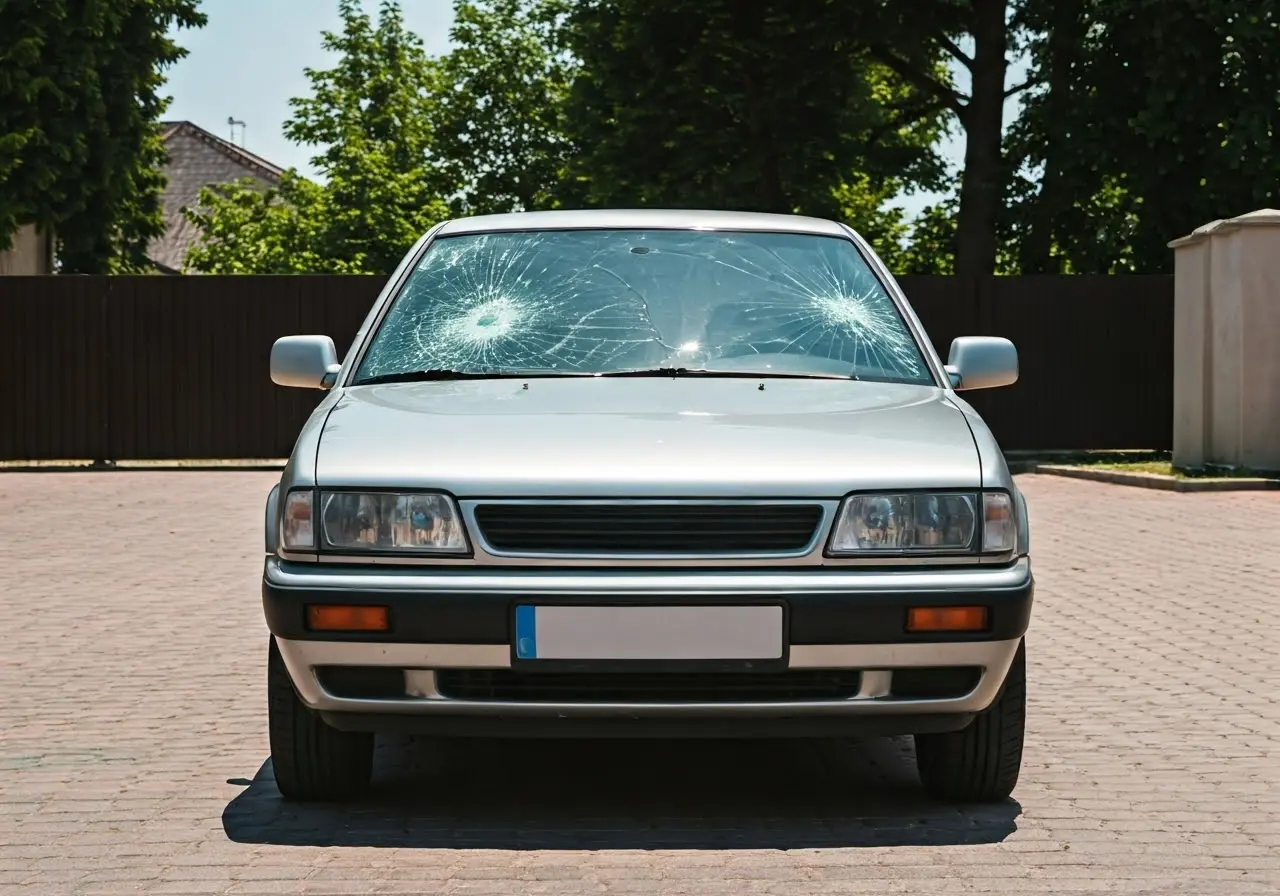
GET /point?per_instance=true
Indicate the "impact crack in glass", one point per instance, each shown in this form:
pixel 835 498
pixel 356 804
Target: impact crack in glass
pixel 598 301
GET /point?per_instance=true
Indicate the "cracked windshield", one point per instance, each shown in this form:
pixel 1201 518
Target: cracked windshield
pixel 612 301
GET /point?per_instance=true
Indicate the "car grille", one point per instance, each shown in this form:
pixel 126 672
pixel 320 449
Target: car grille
pixel 646 687
pixel 682 529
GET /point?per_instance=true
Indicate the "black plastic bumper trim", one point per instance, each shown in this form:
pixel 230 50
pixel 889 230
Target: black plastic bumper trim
pixel 766 725
pixel 486 618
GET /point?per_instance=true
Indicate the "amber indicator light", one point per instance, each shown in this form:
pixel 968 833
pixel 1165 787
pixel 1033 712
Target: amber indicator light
pixel 946 619
pixel 344 618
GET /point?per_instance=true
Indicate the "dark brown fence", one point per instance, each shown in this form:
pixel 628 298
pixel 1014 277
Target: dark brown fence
pixel 102 368
pixel 1095 355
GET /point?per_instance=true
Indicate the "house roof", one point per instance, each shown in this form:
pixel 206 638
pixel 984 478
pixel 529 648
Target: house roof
pixel 197 158
pixel 236 153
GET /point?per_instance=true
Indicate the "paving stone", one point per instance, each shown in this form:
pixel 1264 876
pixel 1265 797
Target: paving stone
pixel 133 750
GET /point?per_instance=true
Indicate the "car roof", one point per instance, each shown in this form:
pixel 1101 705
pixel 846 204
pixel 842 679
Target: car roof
pixel 642 219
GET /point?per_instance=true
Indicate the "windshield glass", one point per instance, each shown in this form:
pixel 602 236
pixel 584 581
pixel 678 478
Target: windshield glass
pixel 608 301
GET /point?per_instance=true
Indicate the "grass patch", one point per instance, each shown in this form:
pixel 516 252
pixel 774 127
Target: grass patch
pixel 1161 464
pixel 72 466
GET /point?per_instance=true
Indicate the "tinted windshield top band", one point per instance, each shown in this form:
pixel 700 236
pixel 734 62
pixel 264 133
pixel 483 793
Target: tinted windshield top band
pixel 653 228
pixel 643 219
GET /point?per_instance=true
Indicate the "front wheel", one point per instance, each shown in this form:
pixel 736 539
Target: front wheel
pixel 980 763
pixel 312 761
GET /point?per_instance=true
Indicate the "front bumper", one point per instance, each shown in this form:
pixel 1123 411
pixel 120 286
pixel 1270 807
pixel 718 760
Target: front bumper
pixel 446 620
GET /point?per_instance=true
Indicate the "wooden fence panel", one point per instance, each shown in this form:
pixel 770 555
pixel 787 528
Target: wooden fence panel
pixel 194 359
pixel 177 367
pixel 1095 357
pixel 53 349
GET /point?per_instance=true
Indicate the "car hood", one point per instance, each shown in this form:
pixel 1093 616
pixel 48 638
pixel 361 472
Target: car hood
pixel 647 437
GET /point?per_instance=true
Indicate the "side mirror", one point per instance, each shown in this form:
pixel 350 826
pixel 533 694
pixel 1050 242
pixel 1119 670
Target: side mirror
pixel 982 362
pixel 304 362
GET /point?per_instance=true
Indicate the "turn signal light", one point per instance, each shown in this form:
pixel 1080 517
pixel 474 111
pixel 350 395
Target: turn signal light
pixel 343 618
pixel 946 619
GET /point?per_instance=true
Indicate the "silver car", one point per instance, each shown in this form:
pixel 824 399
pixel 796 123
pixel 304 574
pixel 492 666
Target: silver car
pixel 645 474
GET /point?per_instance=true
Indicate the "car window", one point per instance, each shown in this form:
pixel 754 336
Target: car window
pixel 603 301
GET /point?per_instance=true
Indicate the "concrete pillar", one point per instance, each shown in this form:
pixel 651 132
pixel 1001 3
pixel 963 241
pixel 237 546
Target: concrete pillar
pixel 1226 343
pixel 31 252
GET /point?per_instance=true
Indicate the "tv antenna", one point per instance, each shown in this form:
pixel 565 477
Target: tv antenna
pixel 233 124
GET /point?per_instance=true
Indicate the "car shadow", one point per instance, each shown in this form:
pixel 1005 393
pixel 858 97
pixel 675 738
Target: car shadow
pixel 610 794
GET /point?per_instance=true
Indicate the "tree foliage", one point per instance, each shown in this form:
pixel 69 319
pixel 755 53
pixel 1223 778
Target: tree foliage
pixel 553 103
pixel 369 119
pixel 976 37
pixel 283 230
pixel 1140 121
pixel 714 103
pixel 499 115
pixel 1155 119
pixel 80 150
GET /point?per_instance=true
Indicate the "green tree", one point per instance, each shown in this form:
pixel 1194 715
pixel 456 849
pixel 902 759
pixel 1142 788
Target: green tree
pixel 370 120
pixel 715 103
pixel 80 150
pixel 1042 198
pixel 1155 119
pixel 931 247
pixel 284 230
pixel 868 208
pixel 907 36
pixel 499 127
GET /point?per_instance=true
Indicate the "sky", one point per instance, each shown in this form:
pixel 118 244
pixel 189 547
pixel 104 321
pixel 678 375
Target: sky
pixel 248 61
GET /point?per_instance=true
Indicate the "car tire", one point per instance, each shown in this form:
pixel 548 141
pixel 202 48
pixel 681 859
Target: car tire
pixel 311 760
pixel 980 763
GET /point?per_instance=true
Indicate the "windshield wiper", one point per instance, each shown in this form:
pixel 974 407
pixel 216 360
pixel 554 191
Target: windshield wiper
pixel 436 374
pixel 439 374
pixel 735 374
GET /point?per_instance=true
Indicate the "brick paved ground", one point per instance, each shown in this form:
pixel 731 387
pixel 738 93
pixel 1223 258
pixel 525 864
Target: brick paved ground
pixel 133 739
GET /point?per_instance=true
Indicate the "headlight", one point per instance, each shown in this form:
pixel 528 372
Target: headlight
pixel 410 523
pixel 372 521
pixel 923 523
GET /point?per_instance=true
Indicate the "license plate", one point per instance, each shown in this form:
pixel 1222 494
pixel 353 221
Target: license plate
pixel 649 633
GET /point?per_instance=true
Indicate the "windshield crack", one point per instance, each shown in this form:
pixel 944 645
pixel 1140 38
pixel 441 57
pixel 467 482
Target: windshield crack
pixel 600 301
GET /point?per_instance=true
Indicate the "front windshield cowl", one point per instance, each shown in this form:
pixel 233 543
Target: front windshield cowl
pixel 676 372
pixel 608 302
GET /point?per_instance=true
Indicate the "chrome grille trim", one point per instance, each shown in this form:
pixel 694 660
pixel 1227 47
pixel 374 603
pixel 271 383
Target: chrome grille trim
pixel 825 511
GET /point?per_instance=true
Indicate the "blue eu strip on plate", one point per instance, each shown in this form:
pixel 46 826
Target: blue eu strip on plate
pixel 526 633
